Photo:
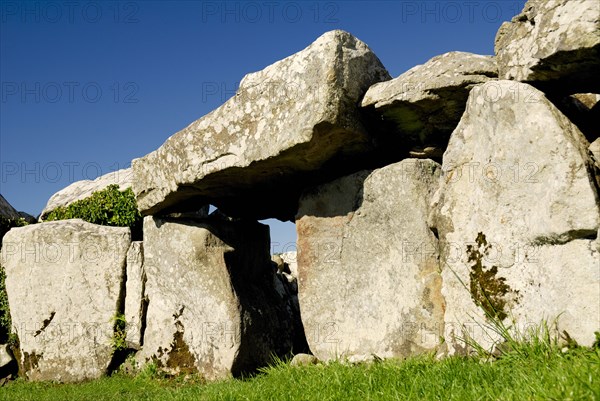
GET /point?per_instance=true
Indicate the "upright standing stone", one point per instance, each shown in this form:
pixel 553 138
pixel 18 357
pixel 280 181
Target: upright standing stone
pixel 65 285
pixel 212 305
pixel 135 295
pixel 517 217
pixel 368 271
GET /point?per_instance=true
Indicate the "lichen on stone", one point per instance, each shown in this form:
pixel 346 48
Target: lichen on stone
pixel 487 290
pixel 31 361
pixel 180 357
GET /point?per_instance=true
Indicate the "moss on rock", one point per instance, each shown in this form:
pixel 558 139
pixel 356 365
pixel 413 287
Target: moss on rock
pixel 487 290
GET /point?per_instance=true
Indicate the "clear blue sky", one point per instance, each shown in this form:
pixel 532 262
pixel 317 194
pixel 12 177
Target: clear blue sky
pixel 88 86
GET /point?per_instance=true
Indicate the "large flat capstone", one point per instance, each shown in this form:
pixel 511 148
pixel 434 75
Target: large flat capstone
pixel 424 105
pixel 288 124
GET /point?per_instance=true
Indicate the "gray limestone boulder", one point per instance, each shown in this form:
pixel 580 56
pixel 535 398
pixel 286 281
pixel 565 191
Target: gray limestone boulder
pixel 291 259
pixel 8 364
pixel 6 357
pixel 595 151
pixel 369 281
pixel 212 304
pixel 552 44
pixel 136 303
pixel 517 216
pixel 287 265
pixel 425 104
pixel 84 189
pixel 304 360
pixel 65 285
pixel 583 109
pixel 287 122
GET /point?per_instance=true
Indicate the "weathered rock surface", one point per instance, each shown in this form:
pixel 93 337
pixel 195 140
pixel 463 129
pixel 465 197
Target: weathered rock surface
pixel 595 150
pixel 425 104
pixel 517 216
pixel 368 269
pixel 553 44
pixel 8 365
pixel 5 356
pixel 285 282
pixel 285 122
pixel 304 360
pixel 287 264
pixel 84 189
pixel 291 259
pixel 135 295
pixel 595 155
pixel 583 109
pixel 64 281
pixel 586 101
pixel 212 304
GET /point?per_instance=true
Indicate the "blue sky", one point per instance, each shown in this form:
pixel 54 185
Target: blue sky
pixel 87 86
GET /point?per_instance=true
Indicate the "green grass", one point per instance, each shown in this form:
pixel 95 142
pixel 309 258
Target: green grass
pixel 532 372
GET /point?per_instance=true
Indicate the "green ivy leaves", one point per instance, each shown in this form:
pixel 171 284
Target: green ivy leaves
pixel 109 207
pixel 5 322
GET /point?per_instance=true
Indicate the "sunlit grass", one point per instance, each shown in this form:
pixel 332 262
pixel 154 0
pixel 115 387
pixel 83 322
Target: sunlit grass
pixel 535 371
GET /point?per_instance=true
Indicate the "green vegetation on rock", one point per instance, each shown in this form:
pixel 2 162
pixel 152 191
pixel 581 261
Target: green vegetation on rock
pixel 5 322
pixel 120 334
pixel 109 207
pixel 7 224
pixel 487 290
